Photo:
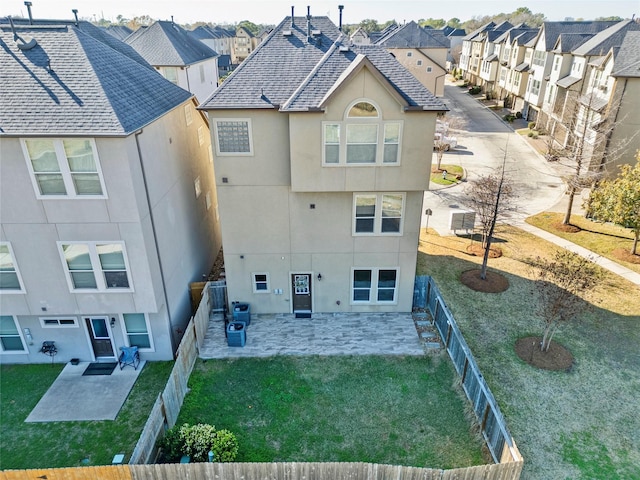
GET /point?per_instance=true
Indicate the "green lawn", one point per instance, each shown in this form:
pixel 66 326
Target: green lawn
pixel 67 444
pixel 393 410
pixel 582 424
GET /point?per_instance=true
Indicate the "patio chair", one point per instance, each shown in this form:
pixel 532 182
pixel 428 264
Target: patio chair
pixel 129 356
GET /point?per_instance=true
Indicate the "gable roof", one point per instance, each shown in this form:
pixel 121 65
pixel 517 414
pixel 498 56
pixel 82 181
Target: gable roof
pixel 606 39
pixel 166 44
pixel 72 84
pixel 567 42
pixel 291 73
pixel 627 62
pixel 552 30
pixel 411 35
pixel 119 31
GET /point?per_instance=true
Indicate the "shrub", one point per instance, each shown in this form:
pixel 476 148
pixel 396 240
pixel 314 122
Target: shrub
pixel 534 135
pixel 530 134
pixel 196 441
pixel 475 90
pixel 531 125
pixel 518 114
pixel 508 118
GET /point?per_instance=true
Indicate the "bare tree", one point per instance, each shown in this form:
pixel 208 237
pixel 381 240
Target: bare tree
pixel 490 197
pixel 589 121
pixel 558 282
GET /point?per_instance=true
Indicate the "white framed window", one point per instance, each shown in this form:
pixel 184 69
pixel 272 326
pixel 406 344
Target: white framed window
pixel 539 57
pixel 188 114
pixel 556 64
pixel 535 87
pixel 419 63
pixel 137 331
pixel 197 187
pixel 10 279
pixel 64 168
pixel 374 285
pixel 171 74
pixel 362 138
pixel 378 214
pixel 409 54
pixel 233 136
pixel 11 340
pixel 429 69
pixel 260 282
pixel 59 322
pixel 95 266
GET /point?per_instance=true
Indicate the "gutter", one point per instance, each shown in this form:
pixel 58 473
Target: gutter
pixel 155 242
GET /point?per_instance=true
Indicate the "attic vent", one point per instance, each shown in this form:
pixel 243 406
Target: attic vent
pixel 316 33
pixel 343 48
pixel 287 33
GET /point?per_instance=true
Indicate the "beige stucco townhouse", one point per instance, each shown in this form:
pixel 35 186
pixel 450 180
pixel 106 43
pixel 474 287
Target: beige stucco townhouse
pixel 322 152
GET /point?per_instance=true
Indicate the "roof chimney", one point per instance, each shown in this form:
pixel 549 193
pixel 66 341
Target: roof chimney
pixel 75 14
pixel 308 23
pixel 28 5
pixel 292 22
pixel 340 7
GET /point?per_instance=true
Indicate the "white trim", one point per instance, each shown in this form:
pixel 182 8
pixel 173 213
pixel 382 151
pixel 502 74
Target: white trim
pixel 188 114
pixel 312 286
pixel 373 289
pixel 65 171
pixel 16 269
pixel 377 219
pixel 98 273
pixel 43 321
pixel 125 334
pixel 217 141
pixel 24 344
pixel 254 282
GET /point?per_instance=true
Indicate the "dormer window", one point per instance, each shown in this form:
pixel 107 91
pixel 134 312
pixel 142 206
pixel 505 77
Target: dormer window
pixel 362 138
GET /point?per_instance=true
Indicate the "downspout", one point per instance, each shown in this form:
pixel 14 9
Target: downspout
pixel 186 71
pixel 155 240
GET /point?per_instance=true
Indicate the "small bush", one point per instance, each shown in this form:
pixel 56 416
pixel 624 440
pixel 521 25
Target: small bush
pixel 196 441
pixel 530 134
pixel 518 114
pixel 475 90
pixel 508 118
pixel 531 125
pixel 534 135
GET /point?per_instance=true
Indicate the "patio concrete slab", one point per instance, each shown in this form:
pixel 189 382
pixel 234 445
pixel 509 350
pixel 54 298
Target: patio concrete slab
pixel 322 334
pixel 74 397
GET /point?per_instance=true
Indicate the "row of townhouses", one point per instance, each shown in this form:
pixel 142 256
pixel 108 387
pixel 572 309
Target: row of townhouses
pixel 307 166
pixel 568 77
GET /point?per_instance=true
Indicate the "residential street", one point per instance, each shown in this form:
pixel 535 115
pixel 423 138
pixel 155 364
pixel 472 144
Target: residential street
pixel 480 151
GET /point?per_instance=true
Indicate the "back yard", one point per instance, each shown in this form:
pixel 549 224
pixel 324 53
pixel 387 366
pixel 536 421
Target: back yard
pixel 578 424
pixel 393 410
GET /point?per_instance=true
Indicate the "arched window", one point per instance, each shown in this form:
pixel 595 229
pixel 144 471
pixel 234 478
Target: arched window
pixel 362 138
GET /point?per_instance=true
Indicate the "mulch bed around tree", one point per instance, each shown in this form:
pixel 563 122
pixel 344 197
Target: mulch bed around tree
pixel 556 358
pixel 494 283
pixel 626 255
pixel 478 251
pixel 568 228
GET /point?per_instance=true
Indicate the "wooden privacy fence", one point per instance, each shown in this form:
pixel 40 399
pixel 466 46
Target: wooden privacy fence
pixel 494 428
pixel 271 471
pixel 166 409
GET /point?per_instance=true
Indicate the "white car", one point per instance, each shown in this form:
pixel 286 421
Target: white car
pixel 447 142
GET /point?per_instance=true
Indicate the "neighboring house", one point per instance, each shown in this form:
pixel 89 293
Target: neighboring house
pixel 118 31
pixel 178 57
pixel 243 44
pixel 321 166
pixel 107 198
pixel 455 36
pixel 216 38
pixel 360 37
pixel 422 51
pixel 224 65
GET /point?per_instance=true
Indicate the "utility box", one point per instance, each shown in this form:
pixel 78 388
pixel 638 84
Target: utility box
pixel 236 334
pixel 242 313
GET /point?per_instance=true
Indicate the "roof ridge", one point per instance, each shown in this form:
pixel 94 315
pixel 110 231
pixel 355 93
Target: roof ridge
pixel 314 70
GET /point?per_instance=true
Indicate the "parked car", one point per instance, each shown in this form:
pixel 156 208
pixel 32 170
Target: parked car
pixel 447 142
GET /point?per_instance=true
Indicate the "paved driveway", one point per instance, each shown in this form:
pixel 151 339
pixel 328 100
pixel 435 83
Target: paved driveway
pixel 483 145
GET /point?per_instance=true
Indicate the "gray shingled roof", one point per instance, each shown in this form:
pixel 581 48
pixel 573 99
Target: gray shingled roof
pixel 90 88
pixel 627 62
pixel 292 74
pixel 90 29
pixel 119 31
pixel 166 44
pixel 603 41
pixel 553 29
pixel 567 42
pixel 411 35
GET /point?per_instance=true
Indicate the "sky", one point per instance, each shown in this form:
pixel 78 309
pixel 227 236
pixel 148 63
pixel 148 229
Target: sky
pixel 273 11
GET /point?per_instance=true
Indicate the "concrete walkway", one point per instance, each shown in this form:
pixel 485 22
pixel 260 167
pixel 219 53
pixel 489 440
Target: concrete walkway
pixel 75 397
pixel 323 334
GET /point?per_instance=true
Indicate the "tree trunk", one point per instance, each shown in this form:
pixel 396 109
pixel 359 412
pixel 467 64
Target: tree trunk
pixel 634 248
pixel 567 215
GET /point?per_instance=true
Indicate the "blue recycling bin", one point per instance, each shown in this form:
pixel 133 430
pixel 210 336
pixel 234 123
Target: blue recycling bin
pixel 236 334
pixel 242 313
